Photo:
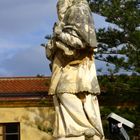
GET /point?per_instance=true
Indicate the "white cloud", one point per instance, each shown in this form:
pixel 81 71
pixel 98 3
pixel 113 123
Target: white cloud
pixel 26 63
pixel 23 25
pixel 9 48
pixel 20 16
pixel 4 72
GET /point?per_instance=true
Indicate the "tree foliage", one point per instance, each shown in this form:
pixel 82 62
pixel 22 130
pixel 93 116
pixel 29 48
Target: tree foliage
pixel 120 45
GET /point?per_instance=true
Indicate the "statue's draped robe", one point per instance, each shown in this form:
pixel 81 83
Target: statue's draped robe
pixel 73 71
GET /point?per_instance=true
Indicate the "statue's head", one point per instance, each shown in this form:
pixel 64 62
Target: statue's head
pixel 63 5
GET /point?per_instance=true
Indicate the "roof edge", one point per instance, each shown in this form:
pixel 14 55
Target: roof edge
pixel 24 77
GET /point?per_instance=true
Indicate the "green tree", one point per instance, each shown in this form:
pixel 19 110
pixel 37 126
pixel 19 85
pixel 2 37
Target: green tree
pixel 123 40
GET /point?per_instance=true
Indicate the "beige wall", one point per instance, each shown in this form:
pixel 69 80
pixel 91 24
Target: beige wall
pixel 35 122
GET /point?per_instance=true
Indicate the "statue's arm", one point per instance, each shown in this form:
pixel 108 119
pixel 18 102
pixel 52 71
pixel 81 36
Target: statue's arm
pixel 68 36
pixel 71 39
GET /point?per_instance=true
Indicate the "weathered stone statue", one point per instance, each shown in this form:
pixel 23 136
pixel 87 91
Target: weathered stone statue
pixel 74 84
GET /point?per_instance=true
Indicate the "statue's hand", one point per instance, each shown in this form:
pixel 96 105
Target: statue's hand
pixel 50 50
pixel 57 30
pixel 58 27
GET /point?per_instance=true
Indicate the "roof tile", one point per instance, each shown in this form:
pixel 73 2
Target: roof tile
pixel 24 84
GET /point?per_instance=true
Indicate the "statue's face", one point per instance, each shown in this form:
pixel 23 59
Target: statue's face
pixel 62 6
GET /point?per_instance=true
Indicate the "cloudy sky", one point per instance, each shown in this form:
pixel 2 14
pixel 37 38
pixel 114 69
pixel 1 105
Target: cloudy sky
pixel 23 25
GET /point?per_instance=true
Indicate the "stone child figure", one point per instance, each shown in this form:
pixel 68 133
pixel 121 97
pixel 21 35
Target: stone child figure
pixel 74 84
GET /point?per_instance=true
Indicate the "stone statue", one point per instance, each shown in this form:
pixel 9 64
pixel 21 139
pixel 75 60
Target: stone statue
pixel 74 83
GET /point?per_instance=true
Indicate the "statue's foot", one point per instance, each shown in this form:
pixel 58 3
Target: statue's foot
pixel 72 138
pixel 89 133
pixel 95 137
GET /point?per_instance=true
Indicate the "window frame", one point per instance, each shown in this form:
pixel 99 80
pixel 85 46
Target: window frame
pixel 4 133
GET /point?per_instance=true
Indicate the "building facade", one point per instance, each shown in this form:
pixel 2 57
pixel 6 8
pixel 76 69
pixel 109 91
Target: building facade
pixel 26 111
